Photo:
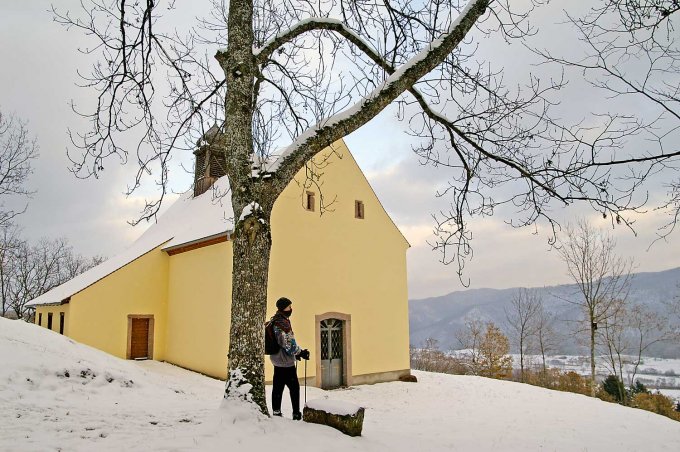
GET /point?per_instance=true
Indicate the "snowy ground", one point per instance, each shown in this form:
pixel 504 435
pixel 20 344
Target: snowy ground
pixel 59 395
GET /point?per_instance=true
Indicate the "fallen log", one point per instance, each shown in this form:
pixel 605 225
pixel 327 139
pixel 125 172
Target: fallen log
pixel 344 416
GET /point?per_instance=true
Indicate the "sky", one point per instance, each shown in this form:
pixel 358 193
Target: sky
pixel 38 82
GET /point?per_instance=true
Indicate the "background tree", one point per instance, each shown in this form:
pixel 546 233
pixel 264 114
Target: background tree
pixel 274 85
pixel 546 337
pixel 601 278
pixel 522 317
pixel 494 361
pixel 673 307
pixel 647 327
pixel 626 336
pixel 36 272
pixel 41 267
pixel 470 338
pixel 17 151
pixel 616 343
pixel 431 359
pixel 9 242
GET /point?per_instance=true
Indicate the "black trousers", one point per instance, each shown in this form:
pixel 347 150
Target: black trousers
pixel 286 376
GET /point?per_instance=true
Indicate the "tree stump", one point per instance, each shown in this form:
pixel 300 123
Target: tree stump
pixel 343 416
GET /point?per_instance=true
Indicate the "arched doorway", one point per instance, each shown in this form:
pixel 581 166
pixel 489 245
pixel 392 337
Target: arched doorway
pixel 333 350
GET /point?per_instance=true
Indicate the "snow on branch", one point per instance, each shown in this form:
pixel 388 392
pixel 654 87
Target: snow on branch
pixel 335 127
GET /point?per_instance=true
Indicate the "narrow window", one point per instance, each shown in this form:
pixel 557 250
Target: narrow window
pixel 359 209
pixel 61 323
pixel 40 318
pixel 49 320
pixel 310 201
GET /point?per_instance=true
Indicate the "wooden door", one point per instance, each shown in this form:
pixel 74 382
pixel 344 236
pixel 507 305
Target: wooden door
pixel 139 339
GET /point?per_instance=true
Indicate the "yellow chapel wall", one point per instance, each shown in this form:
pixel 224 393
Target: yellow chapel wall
pixel 199 302
pixel 42 312
pixel 98 314
pixel 335 262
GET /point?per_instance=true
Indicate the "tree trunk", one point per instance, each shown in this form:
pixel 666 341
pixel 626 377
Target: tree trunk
pixel 252 238
pixel 543 361
pixel 521 360
pixel 622 387
pixel 2 289
pixel 252 247
pixel 592 358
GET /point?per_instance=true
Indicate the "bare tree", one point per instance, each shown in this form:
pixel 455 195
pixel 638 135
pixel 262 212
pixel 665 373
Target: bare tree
pixel 41 267
pixel 646 329
pixel 75 264
pixel 601 277
pixel 36 272
pixel 546 336
pixel 9 241
pixel 673 311
pixel 627 335
pixel 275 86
pixel 522 318
pixel 17 151
pixel 470 338
pixel 616 343
pixel 673 305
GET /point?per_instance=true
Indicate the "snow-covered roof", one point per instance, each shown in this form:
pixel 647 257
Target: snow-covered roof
pixel 187 220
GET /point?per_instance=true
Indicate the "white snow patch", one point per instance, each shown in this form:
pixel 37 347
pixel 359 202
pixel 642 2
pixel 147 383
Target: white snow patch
pixel 248 210
pixel 339 407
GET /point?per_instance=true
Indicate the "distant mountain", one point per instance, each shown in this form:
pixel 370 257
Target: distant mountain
pixel 441 317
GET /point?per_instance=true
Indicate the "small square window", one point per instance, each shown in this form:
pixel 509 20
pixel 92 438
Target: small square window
pixel 359 209
pixel 310 201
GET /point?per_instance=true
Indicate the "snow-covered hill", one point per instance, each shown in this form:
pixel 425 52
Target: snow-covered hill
pixel 59 395
pixel 441 317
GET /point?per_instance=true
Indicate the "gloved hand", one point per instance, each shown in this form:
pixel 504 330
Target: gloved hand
pixel 304 354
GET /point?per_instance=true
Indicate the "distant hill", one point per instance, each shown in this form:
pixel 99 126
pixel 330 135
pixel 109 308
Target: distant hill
pixel 440 317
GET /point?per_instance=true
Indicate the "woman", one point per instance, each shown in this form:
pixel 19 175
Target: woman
pixel 285 373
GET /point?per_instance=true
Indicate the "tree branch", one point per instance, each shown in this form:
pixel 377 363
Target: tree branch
pixel 337 126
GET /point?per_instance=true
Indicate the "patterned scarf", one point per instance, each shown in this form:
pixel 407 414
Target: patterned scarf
pixel 282 322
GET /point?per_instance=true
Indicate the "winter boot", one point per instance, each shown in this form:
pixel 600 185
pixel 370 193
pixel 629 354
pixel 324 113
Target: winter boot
pixel 297 416
pixel 277 413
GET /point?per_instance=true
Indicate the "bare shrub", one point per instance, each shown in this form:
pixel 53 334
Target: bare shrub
pixel 431 359
pixel 656 403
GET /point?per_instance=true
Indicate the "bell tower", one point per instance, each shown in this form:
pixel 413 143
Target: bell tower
pixel 210 162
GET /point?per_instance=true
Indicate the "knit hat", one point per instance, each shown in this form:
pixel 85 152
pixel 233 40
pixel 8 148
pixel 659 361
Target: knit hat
pixel 282 303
